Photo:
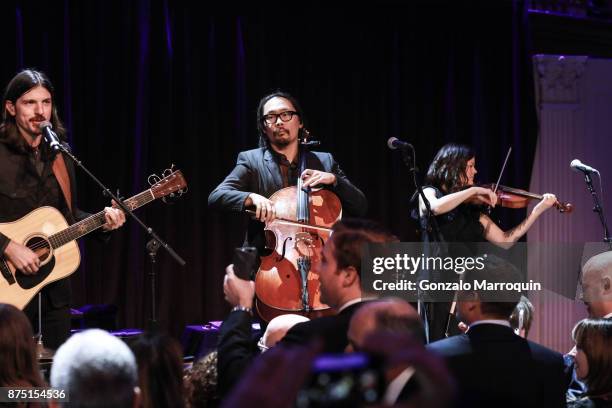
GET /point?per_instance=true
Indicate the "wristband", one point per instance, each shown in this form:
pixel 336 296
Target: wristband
pixel 242 309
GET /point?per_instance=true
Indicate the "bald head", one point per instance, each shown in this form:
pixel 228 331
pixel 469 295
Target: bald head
pixel 279 326
pixel 392 314
pixel 597 285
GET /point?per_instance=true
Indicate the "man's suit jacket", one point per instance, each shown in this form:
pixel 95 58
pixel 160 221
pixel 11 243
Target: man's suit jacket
pixel 495 367
pixel 258 172
pixel 332 330
pixel 235 350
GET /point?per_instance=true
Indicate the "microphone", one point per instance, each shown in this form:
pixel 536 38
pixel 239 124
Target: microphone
pixel 50 136
pixel 395 143
pixel 577 166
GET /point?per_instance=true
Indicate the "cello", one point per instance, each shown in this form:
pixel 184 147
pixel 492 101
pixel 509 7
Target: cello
pixel 285 282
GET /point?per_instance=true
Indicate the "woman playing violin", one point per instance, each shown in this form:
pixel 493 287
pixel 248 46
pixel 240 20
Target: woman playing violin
pixel 458 207
pixel 457 203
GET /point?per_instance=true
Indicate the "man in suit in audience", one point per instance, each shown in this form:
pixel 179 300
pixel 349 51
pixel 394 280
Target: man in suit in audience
pixel 492 365
pixel 237 347
pixel 390 315
pixel 339 271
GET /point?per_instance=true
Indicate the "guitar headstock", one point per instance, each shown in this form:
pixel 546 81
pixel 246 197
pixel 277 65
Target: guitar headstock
pixel 172 184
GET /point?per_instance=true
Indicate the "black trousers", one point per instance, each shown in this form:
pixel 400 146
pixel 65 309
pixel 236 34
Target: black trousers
pixel 55 320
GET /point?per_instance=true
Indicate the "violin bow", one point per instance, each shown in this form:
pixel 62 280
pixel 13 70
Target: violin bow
pixel 502 169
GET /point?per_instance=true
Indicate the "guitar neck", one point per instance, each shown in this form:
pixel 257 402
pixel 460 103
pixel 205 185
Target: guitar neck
pixel 93 222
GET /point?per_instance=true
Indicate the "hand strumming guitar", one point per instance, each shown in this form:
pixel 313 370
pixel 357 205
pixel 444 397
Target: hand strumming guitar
pixel 22 258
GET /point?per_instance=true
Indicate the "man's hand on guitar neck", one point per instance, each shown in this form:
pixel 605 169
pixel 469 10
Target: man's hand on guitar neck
pixel 22 258
pixel 115 218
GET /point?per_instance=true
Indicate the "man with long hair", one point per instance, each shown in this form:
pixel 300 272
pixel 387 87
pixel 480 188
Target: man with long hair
pixel 261 172
pixel 29 179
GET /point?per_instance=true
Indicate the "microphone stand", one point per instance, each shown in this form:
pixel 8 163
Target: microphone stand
pixel 40 347
pixel 431 225
pixel 152 247
pixel 154 237
pixel 598 209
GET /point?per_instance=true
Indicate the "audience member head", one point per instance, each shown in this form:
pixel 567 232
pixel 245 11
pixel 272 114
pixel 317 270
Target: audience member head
pixel 277 328
pixel 475 305
pixel 383 315
pixel 17 350
pixel 339 267
pixel 97 370
pixel 597 285
pixel 160 370
pixel 521 317
pixel 201 382
pixel 593 339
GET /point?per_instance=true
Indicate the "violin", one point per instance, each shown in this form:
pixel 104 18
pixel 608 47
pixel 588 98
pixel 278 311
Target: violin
pixel 516 198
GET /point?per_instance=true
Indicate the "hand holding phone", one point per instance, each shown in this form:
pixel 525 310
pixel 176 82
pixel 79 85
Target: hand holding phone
pixel 245 262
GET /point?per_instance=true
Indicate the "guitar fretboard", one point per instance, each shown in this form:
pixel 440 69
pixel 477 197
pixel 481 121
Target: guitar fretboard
pixel 95 221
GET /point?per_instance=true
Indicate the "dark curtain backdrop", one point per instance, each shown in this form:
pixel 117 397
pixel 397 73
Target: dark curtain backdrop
pixel 145 84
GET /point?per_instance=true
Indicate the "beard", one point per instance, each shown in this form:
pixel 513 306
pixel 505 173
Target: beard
pixel 280 143
pixel 279 140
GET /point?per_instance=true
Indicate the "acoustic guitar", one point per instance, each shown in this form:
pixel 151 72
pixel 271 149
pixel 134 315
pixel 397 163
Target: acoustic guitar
pixel 46 232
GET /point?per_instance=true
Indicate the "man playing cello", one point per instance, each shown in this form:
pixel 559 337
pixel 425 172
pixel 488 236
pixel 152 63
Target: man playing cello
pixel 261 172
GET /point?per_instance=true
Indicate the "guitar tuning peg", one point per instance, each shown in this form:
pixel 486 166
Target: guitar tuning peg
pixel 173 197
pixel 169 171
pixel 153 179
pixel 170 198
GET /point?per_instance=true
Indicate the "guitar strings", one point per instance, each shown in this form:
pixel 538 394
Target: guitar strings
pixel 46 242
pixel 138 200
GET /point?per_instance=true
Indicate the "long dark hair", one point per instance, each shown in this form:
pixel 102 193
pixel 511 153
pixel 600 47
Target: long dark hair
pixel 17 350
pixel 160 370
pixel 19 85
pixel 594 337
pixel 261 126
pixel 447 171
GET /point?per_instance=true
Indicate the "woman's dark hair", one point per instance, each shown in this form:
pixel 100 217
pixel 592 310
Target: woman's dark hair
pixel 594 337
pixel 447 171
pixel 17 350
pixel 160 370
pixel 261 126
pixel 21 83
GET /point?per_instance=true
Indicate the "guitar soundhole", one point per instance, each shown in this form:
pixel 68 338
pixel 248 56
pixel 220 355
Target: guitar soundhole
pixel 42 248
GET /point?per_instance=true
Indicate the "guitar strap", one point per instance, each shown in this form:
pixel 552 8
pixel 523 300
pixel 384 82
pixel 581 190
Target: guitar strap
pixel 61 174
